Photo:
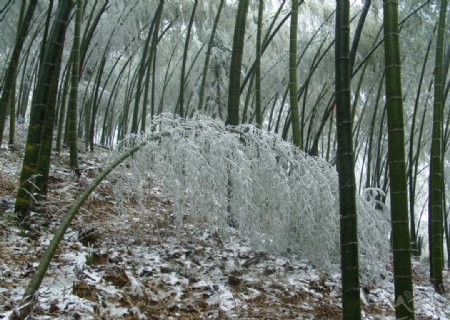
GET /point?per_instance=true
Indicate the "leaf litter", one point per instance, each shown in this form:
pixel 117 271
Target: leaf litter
pixel 142 264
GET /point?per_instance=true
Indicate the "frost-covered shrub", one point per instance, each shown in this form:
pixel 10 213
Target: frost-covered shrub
pixel 280 198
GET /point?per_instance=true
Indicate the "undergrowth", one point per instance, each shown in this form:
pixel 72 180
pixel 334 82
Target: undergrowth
pixel 279 198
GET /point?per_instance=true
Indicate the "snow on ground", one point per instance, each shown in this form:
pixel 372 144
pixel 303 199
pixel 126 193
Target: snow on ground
pixel 141 265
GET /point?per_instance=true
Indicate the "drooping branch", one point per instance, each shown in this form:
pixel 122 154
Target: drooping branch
pixel 48 255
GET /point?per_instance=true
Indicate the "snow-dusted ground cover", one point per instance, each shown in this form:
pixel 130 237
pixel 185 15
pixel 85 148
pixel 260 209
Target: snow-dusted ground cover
pixel 142 263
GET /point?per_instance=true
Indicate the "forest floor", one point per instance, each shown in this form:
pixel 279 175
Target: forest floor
pixel 140 265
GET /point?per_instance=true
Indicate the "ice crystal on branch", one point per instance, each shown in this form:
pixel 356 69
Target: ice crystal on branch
pixel 279 198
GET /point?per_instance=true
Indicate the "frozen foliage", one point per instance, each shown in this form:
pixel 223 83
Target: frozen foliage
pixel 279 198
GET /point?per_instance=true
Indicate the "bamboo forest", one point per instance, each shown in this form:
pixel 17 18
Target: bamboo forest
pixel 224 159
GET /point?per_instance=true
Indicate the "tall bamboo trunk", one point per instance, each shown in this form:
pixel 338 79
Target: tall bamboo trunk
pixel 44 97
pixel 404 300
pixel 351 304
pixel 258 107
pixel 435 209
pixel 295 116
pixel 208 56
pixel 11 71
pixel 236 64
pixel 72 112
pixel 181 108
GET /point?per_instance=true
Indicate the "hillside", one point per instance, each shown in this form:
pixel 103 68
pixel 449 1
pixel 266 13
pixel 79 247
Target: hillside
pixel 140 265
